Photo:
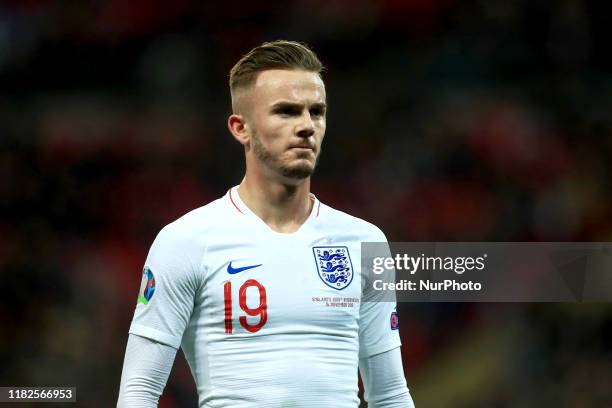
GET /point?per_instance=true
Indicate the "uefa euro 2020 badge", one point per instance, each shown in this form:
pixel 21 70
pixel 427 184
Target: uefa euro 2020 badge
pixel 147 286
pixel 334 266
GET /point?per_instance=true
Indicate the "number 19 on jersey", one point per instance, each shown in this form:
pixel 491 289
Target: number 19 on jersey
pixel 261 311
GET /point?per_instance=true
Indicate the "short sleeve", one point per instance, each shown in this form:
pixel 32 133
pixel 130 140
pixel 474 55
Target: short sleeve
pixel 378 319
pixel 168 288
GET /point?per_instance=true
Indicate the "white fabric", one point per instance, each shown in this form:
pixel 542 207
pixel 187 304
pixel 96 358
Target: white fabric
pixel 146 368
pixel 383 381
pixel 306 353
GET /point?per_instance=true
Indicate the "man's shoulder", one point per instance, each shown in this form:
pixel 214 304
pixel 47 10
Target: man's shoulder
pixel 367 231
pixel 196 221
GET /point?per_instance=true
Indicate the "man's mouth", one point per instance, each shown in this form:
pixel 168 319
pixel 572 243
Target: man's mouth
pixel 302 147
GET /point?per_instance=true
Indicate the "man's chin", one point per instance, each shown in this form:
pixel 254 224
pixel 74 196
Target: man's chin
pixel 297 172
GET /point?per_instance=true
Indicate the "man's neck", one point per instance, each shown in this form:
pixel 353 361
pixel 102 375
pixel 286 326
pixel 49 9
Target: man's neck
pixel 284 208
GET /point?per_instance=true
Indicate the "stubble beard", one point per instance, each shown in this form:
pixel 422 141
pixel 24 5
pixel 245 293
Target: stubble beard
pixel 297 172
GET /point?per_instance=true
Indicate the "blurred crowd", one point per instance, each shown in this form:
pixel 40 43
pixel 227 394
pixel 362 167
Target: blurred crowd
pixel 448 121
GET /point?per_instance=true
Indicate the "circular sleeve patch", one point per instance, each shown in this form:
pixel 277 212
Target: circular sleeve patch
pixel 147 286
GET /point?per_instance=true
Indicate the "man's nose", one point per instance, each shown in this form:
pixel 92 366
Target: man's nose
pixel 305 127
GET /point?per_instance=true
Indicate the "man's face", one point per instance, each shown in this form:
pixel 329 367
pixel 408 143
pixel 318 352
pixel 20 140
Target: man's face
pixel 285 119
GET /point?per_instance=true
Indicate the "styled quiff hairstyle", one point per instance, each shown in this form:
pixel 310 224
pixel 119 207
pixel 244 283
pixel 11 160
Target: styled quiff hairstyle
pixel 280 54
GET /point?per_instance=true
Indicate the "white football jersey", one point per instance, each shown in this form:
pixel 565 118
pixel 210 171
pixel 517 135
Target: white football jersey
pixel 265 319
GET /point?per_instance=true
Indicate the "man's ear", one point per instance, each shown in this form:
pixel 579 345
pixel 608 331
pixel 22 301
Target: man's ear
pixel 238 127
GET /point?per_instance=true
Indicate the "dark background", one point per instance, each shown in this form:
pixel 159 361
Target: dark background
pixel 448 121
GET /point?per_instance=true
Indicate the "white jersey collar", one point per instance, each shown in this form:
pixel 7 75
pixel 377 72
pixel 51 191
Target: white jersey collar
pixel 242 209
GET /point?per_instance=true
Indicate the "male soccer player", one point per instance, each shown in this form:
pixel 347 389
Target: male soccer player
pixel 262 287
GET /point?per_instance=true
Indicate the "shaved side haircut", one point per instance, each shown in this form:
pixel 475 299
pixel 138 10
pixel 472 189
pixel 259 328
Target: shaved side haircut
pixel 280 54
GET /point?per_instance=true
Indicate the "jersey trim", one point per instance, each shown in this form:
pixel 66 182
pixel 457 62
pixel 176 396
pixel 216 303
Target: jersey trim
pixel 156 335
pixel 315 201
pixel 311 197
pixel 380 348
pixel 233 202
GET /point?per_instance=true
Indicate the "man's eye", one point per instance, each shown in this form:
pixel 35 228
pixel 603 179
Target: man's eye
pixel 317 112
pixel 285 111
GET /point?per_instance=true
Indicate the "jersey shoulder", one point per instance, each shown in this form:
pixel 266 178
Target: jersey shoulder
pixel 199 219
pixel 337 219
pixel 188 231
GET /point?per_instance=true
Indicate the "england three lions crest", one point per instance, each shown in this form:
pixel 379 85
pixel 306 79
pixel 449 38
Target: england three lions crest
pixel 334 266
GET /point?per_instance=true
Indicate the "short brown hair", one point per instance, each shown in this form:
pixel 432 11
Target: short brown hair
pixel 273 55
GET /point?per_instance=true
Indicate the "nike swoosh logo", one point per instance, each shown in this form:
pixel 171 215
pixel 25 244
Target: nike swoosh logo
pixel 232 271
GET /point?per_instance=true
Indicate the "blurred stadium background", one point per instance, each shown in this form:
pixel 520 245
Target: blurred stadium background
pixel 459 121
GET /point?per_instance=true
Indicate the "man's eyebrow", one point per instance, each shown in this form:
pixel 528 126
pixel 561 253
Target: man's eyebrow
pixel 287 104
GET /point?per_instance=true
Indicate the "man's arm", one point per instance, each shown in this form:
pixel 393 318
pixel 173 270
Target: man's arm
pixel 383 380
pixel 170 282
pixel 146 368
pixel 380 358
